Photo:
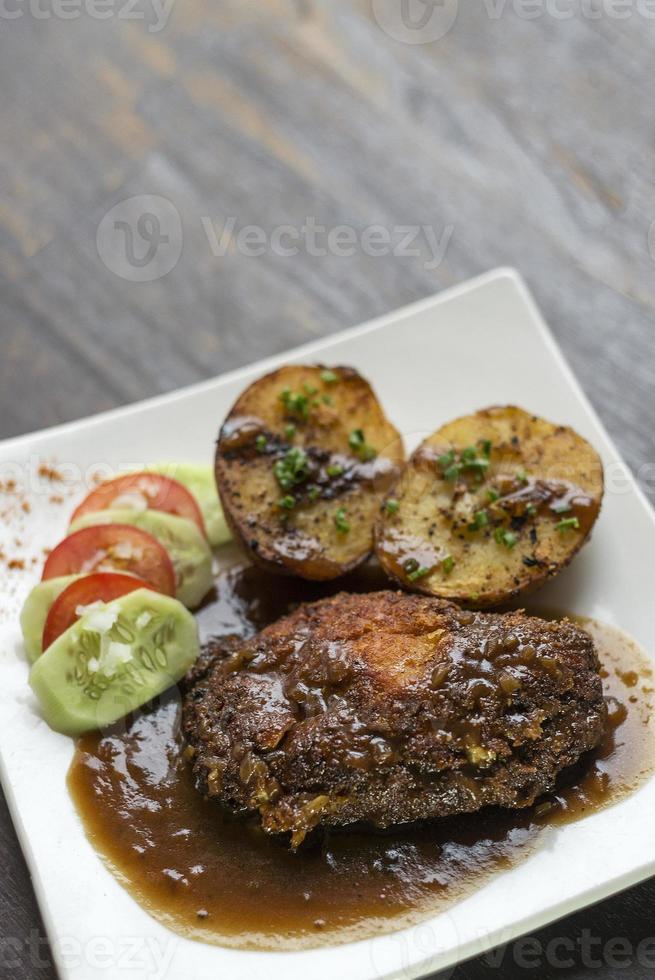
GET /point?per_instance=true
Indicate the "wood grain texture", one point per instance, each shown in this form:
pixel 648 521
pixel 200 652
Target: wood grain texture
pixel 530 139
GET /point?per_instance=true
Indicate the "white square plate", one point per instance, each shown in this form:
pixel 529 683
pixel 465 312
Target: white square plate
pixel 479 344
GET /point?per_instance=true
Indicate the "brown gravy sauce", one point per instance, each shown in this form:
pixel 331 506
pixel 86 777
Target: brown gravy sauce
pixel 218 879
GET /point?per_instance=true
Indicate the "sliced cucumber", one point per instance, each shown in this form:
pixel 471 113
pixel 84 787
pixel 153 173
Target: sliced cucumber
pixel 35 612
pixel 113 660
pixel 188 548
pixel 199 479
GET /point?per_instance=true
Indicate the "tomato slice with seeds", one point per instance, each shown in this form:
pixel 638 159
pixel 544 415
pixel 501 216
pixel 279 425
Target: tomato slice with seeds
pixel 113 548
pixel 102 586
pixel 143 491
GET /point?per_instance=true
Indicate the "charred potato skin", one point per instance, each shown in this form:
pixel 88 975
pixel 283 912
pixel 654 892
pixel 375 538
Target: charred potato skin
pixel 551 455
pixel 305 542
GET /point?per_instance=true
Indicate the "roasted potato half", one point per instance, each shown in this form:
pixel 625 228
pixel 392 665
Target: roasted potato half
pixel 490 506
pixel 303 461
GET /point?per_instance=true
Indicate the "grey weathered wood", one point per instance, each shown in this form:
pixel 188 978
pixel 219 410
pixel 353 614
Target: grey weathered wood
pixel 533 138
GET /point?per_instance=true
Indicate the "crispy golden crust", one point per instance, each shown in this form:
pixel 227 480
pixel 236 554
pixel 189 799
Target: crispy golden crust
pixel 315 519
pixel 389 708
pixel 489 507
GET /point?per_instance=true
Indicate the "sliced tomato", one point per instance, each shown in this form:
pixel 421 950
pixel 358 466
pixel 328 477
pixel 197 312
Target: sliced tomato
pixel 113 548
pixel 145 491
pixel 102 586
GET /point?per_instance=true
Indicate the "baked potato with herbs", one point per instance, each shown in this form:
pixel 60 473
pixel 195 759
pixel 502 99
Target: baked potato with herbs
pixel 303 461
pixel 490 506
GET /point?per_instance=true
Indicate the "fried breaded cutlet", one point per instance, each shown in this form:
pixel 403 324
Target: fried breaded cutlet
pixel 388 708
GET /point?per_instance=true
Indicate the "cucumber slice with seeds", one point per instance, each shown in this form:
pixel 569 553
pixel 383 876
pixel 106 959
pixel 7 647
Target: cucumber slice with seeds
pixel 35 612
pixel 188 549
pixel 113 660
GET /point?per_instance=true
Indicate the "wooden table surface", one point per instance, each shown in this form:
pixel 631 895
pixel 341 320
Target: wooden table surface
pixel 519 136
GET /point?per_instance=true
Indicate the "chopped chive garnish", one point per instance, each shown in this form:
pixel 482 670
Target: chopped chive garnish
pixel 260 444
pixel 289 431
pixel 295 404
pixel 474 596
pixel 340 521
pixel 309 389
pixel 522 477
pixel 480 519
pixel 334 469
pixel 292 469
pixel 287 503
pixel 391 506
pixel 329 377
pixel 358 444
pixel 448 564
pixel 493 495
pixel 452 467
pixel 568 523
pixel 508 538
pixel 313 493
pixel 326 399
pixel 531 510
pixel 414 570
pixel 485 445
